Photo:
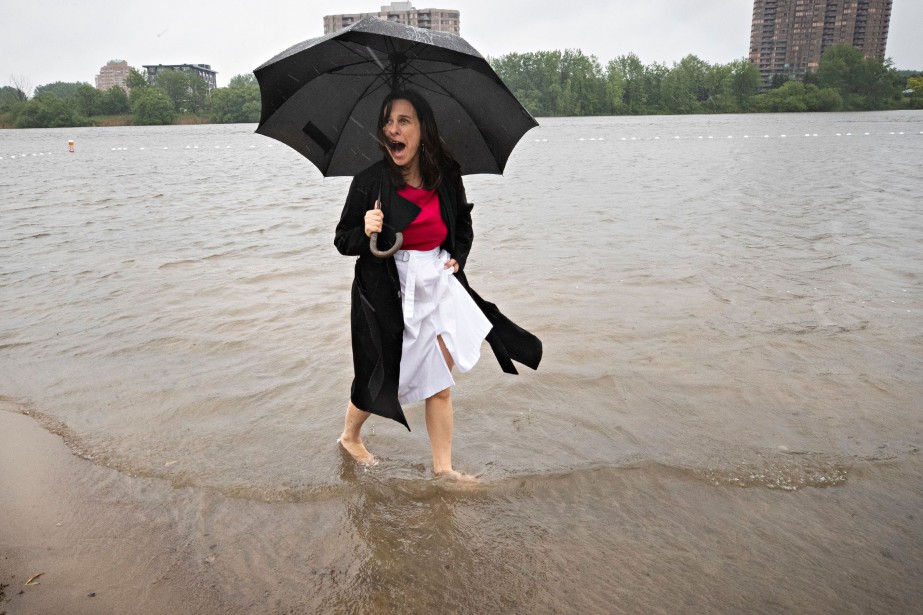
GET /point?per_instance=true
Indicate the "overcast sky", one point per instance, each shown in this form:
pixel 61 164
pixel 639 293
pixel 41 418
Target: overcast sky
pixel 56 40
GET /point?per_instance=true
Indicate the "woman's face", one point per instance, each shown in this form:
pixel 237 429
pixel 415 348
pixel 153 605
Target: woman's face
pixel 402 134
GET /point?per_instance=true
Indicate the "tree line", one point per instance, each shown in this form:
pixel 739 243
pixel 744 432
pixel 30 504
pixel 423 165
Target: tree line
pixel 570 83
pixel 548 83
pixel 174 96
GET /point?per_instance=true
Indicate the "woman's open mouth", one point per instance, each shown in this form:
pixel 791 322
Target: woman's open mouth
pixel 396 147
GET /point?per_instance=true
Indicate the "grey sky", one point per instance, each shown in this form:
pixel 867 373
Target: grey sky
pixel 69 41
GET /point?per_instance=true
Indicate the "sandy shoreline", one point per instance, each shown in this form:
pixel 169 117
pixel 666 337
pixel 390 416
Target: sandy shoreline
pixel 139 545
pixel 96 556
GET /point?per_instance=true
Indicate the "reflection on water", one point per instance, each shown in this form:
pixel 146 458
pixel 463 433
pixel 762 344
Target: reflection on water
pixel 736 310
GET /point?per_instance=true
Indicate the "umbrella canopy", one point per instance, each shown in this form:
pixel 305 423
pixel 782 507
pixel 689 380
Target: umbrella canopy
pixel 322 97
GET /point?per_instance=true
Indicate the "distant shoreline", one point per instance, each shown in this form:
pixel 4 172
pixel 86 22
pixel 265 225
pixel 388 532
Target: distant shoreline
pixel 188 120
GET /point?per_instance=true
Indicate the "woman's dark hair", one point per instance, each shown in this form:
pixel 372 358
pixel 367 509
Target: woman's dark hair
pixel 435 159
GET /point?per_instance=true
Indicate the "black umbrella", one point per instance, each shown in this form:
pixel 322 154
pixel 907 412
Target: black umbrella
pixel 322 96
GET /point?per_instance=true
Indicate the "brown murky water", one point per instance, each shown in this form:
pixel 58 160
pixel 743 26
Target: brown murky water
pixel 722 306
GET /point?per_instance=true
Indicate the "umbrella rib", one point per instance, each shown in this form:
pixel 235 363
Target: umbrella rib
pixel 365 60
pixel 445 92
pixel 378 80
pixel 371 87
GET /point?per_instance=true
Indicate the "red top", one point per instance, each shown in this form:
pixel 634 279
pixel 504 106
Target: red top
pixel 427 231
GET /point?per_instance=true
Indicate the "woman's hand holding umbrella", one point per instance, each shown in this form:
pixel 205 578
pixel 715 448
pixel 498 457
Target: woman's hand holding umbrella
pixel 373 221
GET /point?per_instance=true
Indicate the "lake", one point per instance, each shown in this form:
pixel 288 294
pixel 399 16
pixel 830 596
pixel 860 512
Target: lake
pixel 727 415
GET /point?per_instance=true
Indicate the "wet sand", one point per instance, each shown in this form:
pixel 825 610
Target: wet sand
pixel 668 542
pixel 98 549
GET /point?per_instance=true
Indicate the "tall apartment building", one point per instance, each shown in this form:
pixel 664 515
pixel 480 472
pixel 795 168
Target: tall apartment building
pixel 202 70
pixel 787 37
pixel 442 20
pixel 115 72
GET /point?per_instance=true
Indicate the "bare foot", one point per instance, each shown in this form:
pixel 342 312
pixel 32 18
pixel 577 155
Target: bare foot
pixel 357 451
pixel 456 476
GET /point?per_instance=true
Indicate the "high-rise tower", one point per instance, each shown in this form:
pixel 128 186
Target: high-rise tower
pixel 442 20
pixel 788 36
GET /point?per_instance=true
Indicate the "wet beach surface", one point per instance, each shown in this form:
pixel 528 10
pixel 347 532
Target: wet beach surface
pixel 726 419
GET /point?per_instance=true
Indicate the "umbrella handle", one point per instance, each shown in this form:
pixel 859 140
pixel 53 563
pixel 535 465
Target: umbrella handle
pixel 373 238
pixel 373 245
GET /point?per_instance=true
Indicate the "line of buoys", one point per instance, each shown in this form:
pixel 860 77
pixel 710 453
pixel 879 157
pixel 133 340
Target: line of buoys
pixel 14 156
pixel 71 145
pixel 704 137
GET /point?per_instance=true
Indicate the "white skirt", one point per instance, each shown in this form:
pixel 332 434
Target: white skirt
pixel 434 303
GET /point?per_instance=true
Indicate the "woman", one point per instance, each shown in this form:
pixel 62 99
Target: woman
pixel 413 315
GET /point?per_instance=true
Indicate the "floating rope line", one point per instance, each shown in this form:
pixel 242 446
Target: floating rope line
pixel 625 139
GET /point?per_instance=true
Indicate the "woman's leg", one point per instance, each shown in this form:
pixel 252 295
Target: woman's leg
pixel 439 423
pixel 350 439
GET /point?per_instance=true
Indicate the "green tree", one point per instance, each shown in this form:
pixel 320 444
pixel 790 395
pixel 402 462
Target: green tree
pixel 60 89
pixel 10 97
pixel 745 82
pixel 822 99
pixel 630 73
pixel 615 91
pixel 839 67
pixel 237 103
pixel 653 86
pixel 87 98
pixel 114 101
pixel 174 84
pixel 796 96
pixel 136 79
pixel 863 83
pixel 718 88
pixel 49 111
pixel 245 80
pixel 533 78
pixel 778 80
pixel 583 85
pixel 135 82
pixel 684 88
pixel 152 106
pixel 198 91
pixel 915 84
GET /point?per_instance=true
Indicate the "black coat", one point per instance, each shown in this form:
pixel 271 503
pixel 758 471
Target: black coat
pixel 376 319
